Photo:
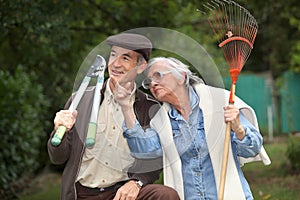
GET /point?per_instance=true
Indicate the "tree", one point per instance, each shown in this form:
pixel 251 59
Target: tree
pixel 276 48
pixel 22 137
pixel 52 38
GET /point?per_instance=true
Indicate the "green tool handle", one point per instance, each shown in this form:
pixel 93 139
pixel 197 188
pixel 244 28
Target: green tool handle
pixel 91 134
pixel 59 134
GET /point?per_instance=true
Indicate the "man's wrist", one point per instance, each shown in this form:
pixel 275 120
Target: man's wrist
pixel 139 184
pixel 127 108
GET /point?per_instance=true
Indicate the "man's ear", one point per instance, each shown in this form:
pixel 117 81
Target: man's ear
pixel 141 67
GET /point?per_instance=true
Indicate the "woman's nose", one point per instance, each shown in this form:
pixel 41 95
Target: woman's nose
pixel 153 83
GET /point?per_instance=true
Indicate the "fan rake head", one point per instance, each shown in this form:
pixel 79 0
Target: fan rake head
pixel 235 29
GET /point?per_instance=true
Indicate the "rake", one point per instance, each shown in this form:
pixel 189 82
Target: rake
pixel 235 29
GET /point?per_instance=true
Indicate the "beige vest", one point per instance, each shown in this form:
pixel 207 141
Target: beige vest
pixel 108 161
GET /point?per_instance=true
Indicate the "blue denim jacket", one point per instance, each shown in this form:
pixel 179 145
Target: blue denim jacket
pixel 189 138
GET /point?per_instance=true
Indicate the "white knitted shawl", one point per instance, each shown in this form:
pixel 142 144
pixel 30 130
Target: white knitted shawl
pixel 212 102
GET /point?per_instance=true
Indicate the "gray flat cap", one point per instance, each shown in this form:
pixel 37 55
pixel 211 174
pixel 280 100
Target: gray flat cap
pixel 132 41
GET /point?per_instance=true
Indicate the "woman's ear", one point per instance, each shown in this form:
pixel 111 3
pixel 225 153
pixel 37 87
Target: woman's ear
pixel 183 78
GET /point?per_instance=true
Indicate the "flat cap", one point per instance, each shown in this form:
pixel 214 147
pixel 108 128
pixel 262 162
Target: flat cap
pixel 132 41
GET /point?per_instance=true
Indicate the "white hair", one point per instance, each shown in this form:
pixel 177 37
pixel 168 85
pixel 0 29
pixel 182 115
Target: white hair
pixel 178 68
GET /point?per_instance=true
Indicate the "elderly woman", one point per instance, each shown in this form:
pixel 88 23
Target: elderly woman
pixel 189 132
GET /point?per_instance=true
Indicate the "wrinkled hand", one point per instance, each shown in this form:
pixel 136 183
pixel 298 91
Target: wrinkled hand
pixel 129 191
pixel 122 92
pixel 232 115
pixel 66 118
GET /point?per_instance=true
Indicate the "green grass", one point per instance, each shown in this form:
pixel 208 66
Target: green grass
pixel 45 186
pixel 273 182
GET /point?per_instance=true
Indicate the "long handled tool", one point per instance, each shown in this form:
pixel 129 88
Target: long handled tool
pixel 97 66
pixel 92 129
pixel 235 29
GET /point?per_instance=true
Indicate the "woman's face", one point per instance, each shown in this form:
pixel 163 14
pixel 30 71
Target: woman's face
pixel 163 82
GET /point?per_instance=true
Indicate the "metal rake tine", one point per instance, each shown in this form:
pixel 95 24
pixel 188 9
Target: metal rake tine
pixel 224 10
pixel 203 12
pixel 218 20
pixel 225 23
pixel 246 22
pixel 254 28
pixel 229 16
pixel 211 8
pixel 215 2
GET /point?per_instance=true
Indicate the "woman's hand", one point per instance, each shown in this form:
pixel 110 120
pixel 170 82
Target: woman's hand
pixel 232 115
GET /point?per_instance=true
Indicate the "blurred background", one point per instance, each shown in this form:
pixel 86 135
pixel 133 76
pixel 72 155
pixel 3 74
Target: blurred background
pixel 43 43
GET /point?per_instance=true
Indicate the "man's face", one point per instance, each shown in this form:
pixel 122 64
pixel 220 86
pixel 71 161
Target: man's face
pixel 121 61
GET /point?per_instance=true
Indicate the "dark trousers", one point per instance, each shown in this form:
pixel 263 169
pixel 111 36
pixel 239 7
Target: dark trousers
pixel 148 192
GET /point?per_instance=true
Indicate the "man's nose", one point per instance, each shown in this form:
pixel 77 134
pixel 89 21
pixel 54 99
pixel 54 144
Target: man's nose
pixel 117 61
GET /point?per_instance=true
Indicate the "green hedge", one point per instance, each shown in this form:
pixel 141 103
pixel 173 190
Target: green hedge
pixel 293 153
pixel 22 107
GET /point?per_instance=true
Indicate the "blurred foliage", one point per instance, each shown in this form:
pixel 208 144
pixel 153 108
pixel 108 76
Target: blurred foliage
pixel 22 107
pixel 279 34
pixel 50 39
pixel 293 153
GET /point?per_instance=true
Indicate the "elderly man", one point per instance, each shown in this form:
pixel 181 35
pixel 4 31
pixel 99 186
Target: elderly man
pixel 107 171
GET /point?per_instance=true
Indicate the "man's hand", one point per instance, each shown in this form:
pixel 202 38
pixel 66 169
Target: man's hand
pixel 129 191
pixel 232 115
pixel 65 118
pixel 122 93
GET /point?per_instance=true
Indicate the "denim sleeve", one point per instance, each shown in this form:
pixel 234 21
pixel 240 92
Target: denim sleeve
pixel 143 144
pixel 251 144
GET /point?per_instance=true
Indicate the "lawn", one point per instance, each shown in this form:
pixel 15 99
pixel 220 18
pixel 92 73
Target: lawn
pixel 273 182
pixel 45 186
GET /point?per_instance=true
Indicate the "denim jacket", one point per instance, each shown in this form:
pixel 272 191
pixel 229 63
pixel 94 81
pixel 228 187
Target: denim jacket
pixel 190 140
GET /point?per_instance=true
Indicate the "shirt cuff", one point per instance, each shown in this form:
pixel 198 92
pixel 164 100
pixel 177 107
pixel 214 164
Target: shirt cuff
pixel 246 141
pixel 127 132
